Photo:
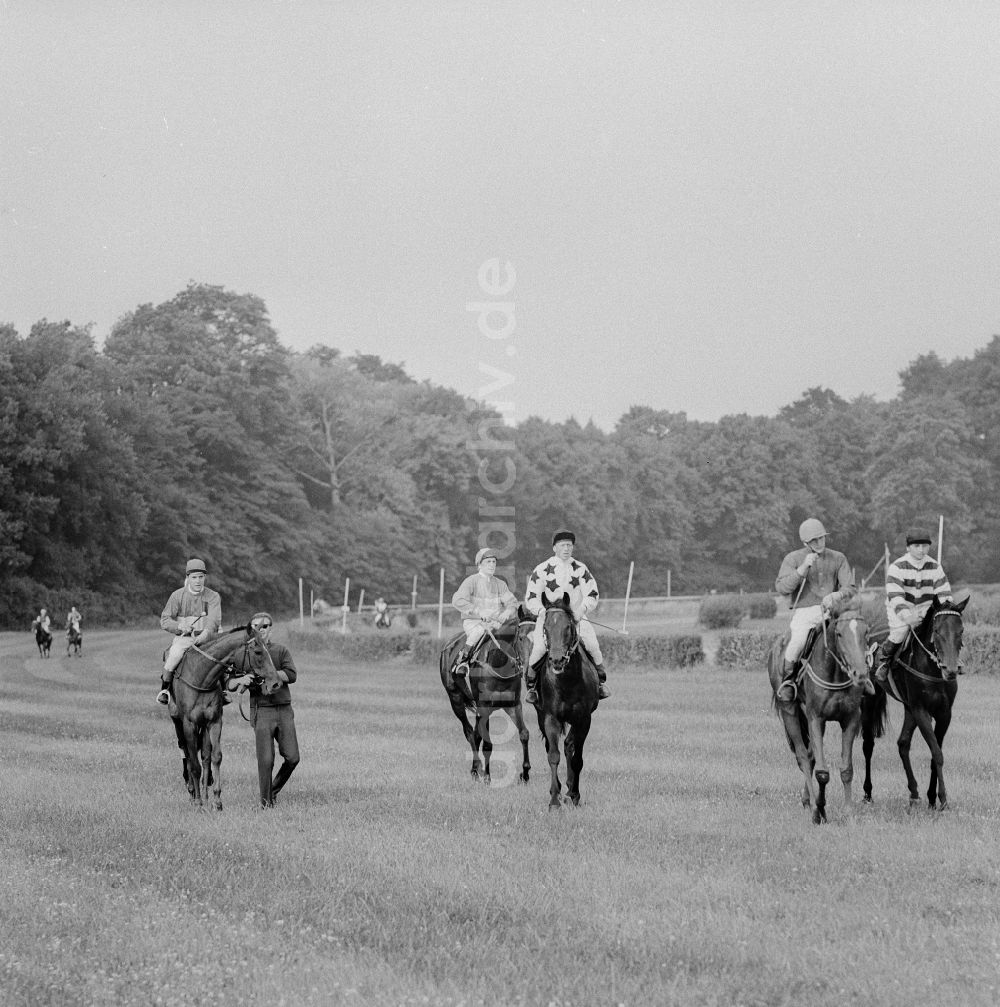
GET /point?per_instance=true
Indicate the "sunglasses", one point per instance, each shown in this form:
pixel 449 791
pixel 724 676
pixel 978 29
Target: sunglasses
pixel 264 625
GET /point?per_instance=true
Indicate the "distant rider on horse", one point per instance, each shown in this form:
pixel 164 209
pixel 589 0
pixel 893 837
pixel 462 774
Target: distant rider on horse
pixel 485 602
pixel 557 575
pixel 814 579
pixel 912 583
pixel 73 621
pixel 43 622
pixel 193 614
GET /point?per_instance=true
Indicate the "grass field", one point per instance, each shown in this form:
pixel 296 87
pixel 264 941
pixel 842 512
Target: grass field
pixel 690 874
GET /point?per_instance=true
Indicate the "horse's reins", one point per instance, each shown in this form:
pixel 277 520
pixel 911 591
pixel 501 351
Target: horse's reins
pixel 932 654
pixel 569 653
pixel 811 672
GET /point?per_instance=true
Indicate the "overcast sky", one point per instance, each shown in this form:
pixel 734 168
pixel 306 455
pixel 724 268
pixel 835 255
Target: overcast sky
pixel 705 207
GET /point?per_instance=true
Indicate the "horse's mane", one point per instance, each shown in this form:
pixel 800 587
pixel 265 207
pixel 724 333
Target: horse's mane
pixel 223 638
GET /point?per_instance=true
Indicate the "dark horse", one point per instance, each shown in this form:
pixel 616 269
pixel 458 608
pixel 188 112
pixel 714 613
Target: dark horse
pixel 494 683
pixel 196 705
pixel 567 697
pixel 923 679
pixel 830 686
pixel 74 640
pixel 44 640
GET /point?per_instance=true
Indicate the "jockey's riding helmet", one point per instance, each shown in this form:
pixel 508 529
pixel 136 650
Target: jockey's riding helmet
pixel 811 528
pixel 485 554
pixel 914 537
pixel 195 566
pixel 563 536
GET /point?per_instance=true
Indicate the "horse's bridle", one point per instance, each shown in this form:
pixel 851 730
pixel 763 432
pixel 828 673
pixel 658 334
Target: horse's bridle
pixel 931 653
pixel 219 663
pixel 848 674
pixel 559 664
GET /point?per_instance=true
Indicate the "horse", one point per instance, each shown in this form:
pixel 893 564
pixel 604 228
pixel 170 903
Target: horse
pixel 830 687
pixel 196 704
pixel 494 682
pixel 922 678
pixel 74 640
pixel 567 688
pixel 44 640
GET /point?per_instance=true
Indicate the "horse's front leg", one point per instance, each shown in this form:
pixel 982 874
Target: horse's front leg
pixel 193 761
pixel 551 734
pixel 484 733
pixel 575 738
pixel 476 741
pixel 935 740
pixel 848 735
pixel 803 757
pixel 817 727
pixel 903 745
pixel 215 744
pixel 867 748
pixel 517 715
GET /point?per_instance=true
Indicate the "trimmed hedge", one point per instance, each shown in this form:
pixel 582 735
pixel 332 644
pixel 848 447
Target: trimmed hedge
pixel 761 606
pixel 981 650
pixel 680 651
pixel 648 651
pixel 721 611
pixel 745 648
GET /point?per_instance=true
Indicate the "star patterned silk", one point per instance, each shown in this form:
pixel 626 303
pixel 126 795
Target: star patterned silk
pixel 554 577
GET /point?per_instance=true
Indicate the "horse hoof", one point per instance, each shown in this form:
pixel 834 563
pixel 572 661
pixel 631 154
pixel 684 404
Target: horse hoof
pixel 867 799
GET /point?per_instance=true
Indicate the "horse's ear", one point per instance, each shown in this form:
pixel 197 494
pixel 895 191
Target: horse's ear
pixel 545 600
pixel 565 599
pixel 961 599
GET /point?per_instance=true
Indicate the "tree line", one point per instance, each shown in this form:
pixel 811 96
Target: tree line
pixel 194 431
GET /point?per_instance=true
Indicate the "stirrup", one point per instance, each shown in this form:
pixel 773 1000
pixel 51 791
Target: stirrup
pixel 531 696
pixel 163 696
pixel 462 668
pixel 790 682
pixel 603 692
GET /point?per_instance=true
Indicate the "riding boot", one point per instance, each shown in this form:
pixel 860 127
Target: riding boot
pixel 530 680
pixel 603 692
pixel 885 655
pixel 163 696
pixel 786 691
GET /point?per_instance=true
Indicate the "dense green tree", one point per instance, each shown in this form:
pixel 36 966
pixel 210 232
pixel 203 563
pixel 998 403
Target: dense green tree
pixel 72 488
pixel 207 384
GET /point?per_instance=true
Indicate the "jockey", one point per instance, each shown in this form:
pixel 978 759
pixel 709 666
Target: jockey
pixel 73 621
pixel 485 602
pixel 193 613
pixel 912 583
pixel 813 579
pixel 557 575
pixel 42 620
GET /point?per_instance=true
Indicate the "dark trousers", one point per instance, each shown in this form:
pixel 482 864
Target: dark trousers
pixel 274 723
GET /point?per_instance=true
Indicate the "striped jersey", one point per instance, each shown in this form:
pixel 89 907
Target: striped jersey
pixel 916 583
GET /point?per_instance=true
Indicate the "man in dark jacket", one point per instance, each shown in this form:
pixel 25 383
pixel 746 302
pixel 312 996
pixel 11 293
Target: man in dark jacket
pixel 272 717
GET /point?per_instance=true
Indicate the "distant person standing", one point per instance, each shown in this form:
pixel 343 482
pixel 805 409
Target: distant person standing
pixel 193 614
pixel 271 715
